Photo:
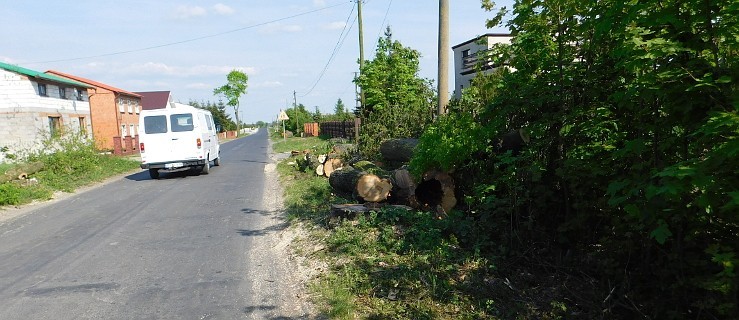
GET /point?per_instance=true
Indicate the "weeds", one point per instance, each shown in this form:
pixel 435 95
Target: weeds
pixel 69 161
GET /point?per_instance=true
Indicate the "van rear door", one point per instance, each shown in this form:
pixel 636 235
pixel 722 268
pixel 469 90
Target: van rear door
pixel 157 143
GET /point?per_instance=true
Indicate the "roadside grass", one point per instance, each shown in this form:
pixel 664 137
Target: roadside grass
pixel 390 264
pixel 68 163
pixel 316 144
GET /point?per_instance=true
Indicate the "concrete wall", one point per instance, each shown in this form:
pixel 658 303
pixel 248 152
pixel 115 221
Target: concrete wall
pixel 24 114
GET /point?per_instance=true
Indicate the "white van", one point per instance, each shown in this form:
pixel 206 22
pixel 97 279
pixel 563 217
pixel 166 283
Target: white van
pixel 179 136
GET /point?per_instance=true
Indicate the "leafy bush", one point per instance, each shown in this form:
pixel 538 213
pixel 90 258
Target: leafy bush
pixel 630 175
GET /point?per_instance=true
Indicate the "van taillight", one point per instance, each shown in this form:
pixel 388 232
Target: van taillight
pixel 200 143
pixel 141 147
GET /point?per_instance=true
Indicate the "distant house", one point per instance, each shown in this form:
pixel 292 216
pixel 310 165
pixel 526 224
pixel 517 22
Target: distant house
pixel 470 57
pixel 155 99
pixel 114 113
pixel 35 105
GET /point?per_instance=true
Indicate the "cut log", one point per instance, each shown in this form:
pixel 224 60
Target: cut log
pixel 436 192
pixel 513 141
pixel 347 210
pixel 344 181
pixel 322 158
pixel 398 150
pixel 332 165
pixel 373 188
pixel 404 188
pixel 342 149
pixel 319 170
pixel 21 171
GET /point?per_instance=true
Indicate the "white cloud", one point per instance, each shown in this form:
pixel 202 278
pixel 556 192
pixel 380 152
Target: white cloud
pixel 319 3
pixel 186 12
pixel 199 85
pixel 334 25
pixel 277 28
pixel 223 9
pixel 6 59
pixel 268 84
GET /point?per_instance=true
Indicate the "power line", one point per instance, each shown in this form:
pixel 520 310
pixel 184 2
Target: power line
pixel 193 39
pixel 339 43
pixel 382 26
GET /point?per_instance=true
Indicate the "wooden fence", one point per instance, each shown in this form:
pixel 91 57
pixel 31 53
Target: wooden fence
pixel 340 129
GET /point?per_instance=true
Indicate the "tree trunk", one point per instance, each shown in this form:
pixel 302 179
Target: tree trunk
pixel 21 171
pixel 344 181
pixel 398 150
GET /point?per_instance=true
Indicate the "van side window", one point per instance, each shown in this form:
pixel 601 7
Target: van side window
pixel 155 124
pixel 209 121
pixel 181 122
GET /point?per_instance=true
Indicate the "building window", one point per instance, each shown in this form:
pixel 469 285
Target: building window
pixel 42 90
pixel 129 102
pixel 136 107
pixel 120 105
pixel 83 126
pixel 62 93
pixel 78 94
pixel 130 130
pixel 123 130
pixel 55 126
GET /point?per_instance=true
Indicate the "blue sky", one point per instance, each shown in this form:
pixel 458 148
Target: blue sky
pixel 188 47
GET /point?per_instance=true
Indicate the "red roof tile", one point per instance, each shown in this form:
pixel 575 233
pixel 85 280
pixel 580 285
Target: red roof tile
pixel 92 83
pixel 154 99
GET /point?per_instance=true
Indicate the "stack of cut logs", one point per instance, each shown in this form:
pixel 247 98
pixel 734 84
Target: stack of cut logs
pixel 367 182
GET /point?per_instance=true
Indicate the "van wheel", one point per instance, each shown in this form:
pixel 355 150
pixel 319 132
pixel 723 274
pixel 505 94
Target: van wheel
pixel 154 173
pixel 206 167
pixel 217 161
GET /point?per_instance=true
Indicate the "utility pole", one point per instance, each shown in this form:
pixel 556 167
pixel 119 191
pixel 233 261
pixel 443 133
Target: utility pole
pixel 295 109
pixel 443 88
pixel 361 48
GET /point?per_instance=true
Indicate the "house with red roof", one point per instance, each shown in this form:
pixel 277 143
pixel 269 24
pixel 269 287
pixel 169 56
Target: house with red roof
pixel 155 99
pixel 35 106
pixel 114 113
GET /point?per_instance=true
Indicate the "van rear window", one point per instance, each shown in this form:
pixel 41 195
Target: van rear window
pixel 181 122
pixel 155 124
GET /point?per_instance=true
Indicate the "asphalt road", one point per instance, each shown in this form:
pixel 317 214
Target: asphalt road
pixel 182 247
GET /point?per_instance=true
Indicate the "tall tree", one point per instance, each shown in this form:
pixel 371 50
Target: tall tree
pixel 233 90
pixel 339 108
pixel 397 102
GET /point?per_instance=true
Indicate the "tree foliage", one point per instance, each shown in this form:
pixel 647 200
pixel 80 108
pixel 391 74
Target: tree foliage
pixel 233 90
pixel 632 165
pixel 220 117
pixel 398 103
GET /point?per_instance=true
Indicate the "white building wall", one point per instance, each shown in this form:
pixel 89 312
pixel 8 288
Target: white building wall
pixel 24 115
pixel 463 79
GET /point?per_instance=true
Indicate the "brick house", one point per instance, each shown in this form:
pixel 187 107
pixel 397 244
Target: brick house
pixel 35 105
pixel 114 113
pixel 468 58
